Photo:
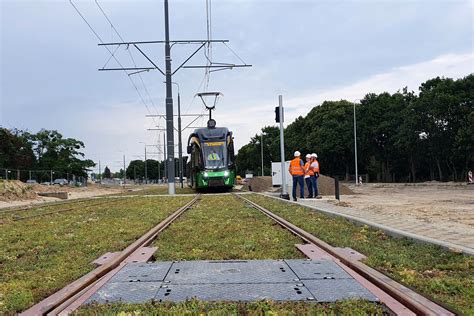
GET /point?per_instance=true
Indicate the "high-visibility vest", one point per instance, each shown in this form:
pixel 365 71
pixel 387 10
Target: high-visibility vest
pixel 315 166
pixel 308 171
pixel 295 167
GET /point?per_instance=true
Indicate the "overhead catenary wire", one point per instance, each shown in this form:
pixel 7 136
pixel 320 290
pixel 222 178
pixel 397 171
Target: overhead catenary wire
pixel 131 57
pixel 111 53
pixel 208 50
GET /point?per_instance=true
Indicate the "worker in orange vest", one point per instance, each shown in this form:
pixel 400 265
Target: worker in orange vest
pixel 297 171
pixel 314 179
pixel 308 173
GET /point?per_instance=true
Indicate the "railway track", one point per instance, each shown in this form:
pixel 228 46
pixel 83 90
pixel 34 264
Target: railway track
pixel 398 298
pixel 62 301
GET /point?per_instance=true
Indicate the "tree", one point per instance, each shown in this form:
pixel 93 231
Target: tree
pixel 15 149
pixel 106 174
pixel 45 150
pixel 400 136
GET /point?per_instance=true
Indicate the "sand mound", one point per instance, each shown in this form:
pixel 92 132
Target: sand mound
pixel 14 190
pixel 325 186
pixel 259 184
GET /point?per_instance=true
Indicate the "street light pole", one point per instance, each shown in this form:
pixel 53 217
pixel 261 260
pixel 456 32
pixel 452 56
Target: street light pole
pixel 146 169
pixel 180 142
pixel 261 146
pixel 355 144
pixel 124 176
pixel 100 174
pixel 284 187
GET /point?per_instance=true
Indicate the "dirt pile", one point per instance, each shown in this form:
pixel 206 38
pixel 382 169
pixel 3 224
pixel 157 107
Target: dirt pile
pixel 325 186
pixel 259 184
pixel 52 188
pixel 14 190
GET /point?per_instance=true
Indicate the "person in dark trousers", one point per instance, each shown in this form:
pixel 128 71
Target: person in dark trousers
pixel 308 173
pixel 314 179
pixel 297 172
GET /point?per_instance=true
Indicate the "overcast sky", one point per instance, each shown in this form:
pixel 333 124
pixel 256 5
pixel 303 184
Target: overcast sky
pixel 308 51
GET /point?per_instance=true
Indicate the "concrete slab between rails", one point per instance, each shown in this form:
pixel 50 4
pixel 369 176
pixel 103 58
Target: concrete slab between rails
pixel 232 280
pixel 389 230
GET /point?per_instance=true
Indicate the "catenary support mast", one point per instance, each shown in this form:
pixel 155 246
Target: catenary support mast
pixel 169 106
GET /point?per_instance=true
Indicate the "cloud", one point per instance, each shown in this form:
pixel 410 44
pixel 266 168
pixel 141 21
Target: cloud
pixel 252 118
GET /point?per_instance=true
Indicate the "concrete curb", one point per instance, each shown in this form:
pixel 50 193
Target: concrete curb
pixel 389 230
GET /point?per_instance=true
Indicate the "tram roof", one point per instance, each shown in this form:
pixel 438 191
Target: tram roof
pixel 211 133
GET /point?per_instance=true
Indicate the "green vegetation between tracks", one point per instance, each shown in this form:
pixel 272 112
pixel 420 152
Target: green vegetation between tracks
pixel 221 227
pixel 43 254
pixel 446 276
pixel 158 189
pixel 194 307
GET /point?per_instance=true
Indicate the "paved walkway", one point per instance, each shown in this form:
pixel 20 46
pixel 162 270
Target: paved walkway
pixel 399 225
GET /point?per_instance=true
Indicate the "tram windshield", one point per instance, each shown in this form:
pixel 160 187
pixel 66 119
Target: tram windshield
pixel 214 154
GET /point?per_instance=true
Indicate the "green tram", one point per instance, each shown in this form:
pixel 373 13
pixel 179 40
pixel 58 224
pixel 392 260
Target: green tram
pixel 211 161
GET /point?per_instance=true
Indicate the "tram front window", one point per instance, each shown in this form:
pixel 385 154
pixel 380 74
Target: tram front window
pixel 214 154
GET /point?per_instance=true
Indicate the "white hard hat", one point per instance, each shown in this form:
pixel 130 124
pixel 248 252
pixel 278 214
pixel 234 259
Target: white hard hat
pixel 308 156
pixel 297 154
pixel 314 155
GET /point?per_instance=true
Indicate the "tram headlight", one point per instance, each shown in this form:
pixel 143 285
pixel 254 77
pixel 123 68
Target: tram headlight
pixel 226 173
pixel 206 175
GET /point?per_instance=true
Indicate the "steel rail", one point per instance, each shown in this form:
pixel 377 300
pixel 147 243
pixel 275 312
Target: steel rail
pixel 412 300
pixel 57 299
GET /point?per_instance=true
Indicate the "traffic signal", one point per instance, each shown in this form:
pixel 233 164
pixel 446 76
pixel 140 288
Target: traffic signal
pixel 277 114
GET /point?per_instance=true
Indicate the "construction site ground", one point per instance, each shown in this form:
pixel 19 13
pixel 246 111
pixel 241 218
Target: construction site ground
pixel 16 194
pixel 441 211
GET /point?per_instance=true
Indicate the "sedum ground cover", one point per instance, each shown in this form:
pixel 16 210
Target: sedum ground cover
pixel 445 276
pixel 224 228
pixel 158 189
pixel 43 254
pixel 194 307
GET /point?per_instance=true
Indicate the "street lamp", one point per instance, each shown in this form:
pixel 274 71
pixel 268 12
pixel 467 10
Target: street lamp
pixel 124 177
pixel 261 147
pixel 355 143
pixel 146 170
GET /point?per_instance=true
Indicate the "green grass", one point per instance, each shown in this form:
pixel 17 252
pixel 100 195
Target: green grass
pixel 446 276
pixel 157 189
pixel 10 215
pixel 222 227
pixel 194 307
pixel 41 255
